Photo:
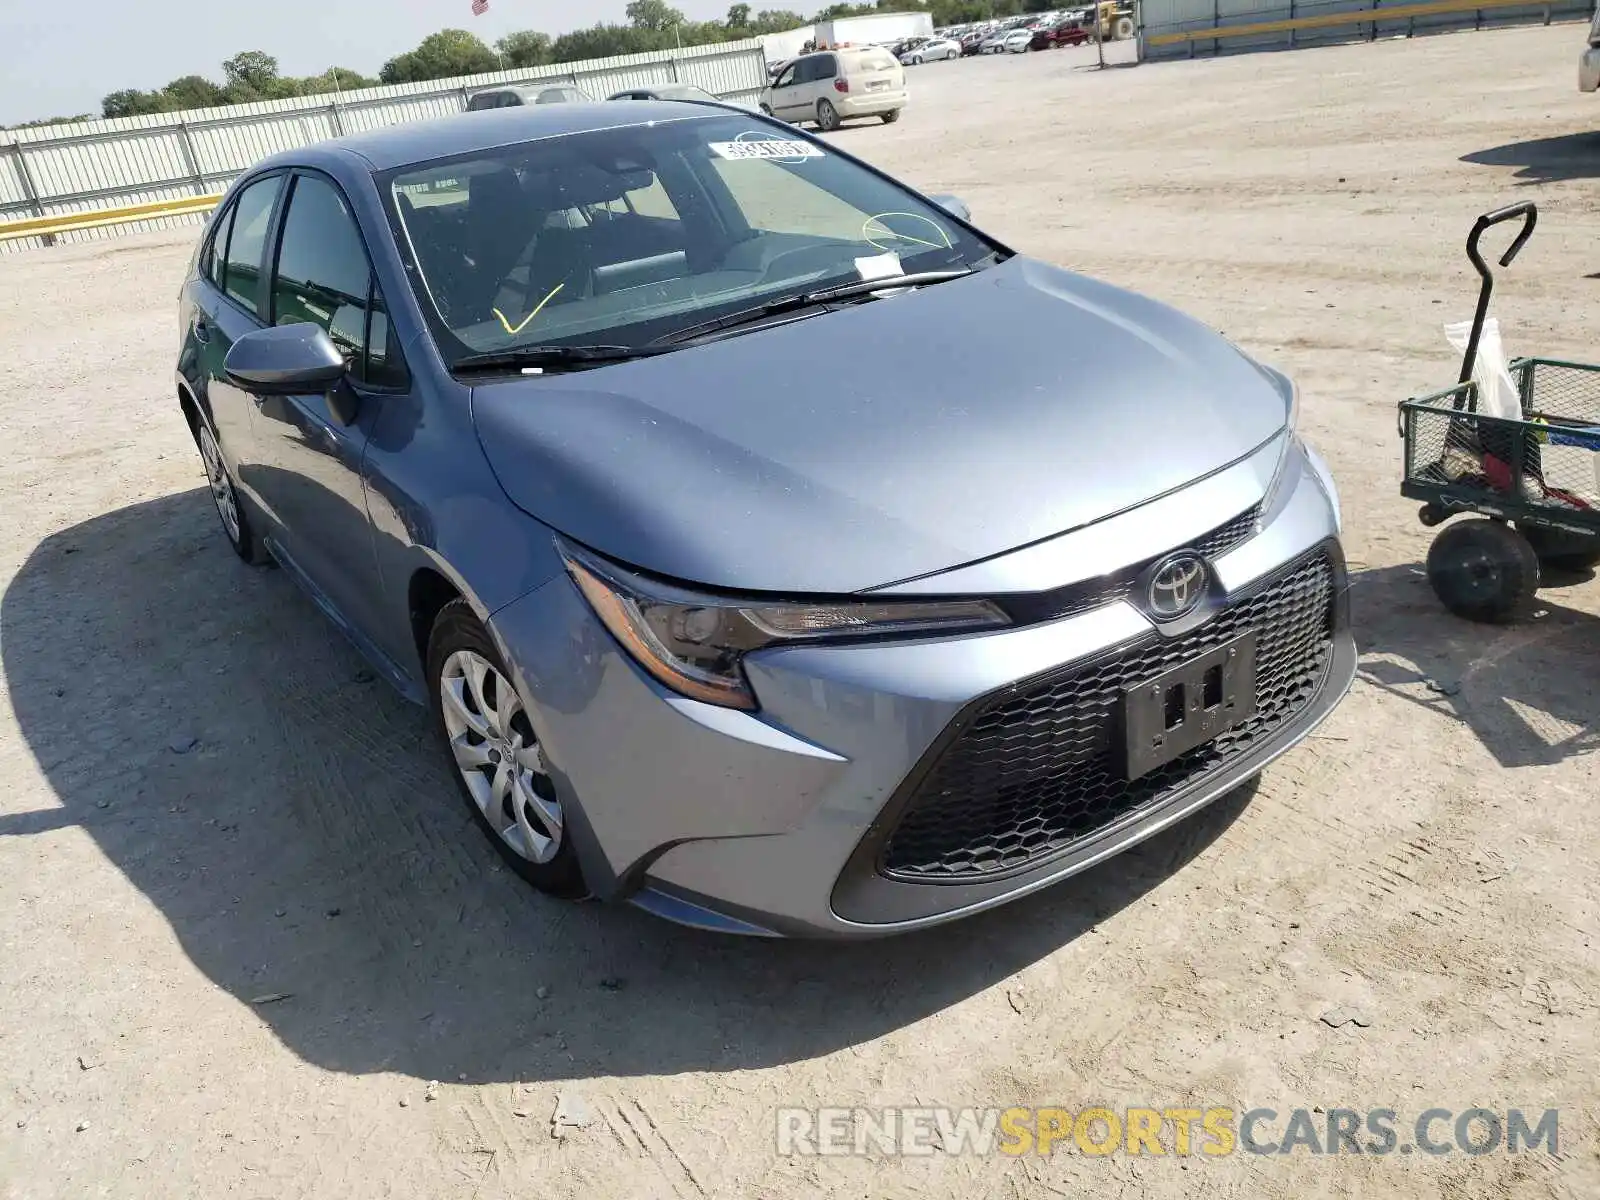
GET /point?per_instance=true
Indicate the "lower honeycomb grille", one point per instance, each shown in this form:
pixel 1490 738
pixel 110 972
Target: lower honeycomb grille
pixel 1042 766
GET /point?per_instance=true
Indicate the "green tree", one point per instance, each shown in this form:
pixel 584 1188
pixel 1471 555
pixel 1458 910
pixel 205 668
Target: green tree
pixel 604 41
pixel 776 21
pixel 190 91
pixel 251 72
pixel 129 102
pixel 738 16
pixel 529 48
pixel 334 79
pixel 440 56
pixel 655 15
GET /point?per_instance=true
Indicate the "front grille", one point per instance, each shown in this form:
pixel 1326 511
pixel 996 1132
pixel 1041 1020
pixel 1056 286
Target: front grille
pixel 1032 607
pixel 1040 766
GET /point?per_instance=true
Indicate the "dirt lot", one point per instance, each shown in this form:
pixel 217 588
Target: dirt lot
pixel 1430 858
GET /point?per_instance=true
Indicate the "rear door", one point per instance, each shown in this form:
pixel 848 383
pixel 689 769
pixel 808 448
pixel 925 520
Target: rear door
pixel 228 309
pixel 819 83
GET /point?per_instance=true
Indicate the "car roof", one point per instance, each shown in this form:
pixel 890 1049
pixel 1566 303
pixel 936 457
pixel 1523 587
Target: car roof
pixel 444 137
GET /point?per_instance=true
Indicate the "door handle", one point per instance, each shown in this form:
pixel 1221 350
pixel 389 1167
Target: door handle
pixel 202 331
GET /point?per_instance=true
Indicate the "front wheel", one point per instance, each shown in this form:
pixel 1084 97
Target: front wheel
pixel 495 754
pixel 1484 570
pixel 827 116
pixel 890 117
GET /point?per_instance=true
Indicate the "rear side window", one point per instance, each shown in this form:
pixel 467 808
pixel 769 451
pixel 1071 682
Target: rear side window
pixel 247 241
pixel 323 277
pixel 824 66
pixel 875 60
pixel 216 255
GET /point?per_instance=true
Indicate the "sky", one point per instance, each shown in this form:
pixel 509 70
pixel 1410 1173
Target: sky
pixel 58 59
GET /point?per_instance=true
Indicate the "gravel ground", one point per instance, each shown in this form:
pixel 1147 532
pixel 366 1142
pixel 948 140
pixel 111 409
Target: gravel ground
pixel 247 923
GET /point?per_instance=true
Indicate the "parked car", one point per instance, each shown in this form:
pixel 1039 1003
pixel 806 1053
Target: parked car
pixel 973 43
pixel 994 42
pixel 517 95
pixel 701 622
pixel 1053 37
pixel 666 91
pixel 834 86
pixel 932 50
pixel 1018 41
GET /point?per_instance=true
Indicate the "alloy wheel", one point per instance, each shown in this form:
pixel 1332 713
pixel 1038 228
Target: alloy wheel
pixel 221 485
pixel 499 757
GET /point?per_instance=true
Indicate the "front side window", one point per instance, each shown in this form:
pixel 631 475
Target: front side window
pixel 624 236
pixel 247 242
pixel 323 276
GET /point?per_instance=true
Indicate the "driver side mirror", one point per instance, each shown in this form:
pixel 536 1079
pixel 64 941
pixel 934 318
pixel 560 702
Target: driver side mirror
pixel 284 360
pixel 954 205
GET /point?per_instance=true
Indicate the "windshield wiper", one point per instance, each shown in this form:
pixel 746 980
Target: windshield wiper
pixel 772 308
pixel 553 356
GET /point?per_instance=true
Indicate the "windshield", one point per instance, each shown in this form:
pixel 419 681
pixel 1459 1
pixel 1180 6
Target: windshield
pixel 623 236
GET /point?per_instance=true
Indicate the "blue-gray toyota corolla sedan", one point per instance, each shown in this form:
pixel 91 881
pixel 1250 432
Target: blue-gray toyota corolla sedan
pixel 688 469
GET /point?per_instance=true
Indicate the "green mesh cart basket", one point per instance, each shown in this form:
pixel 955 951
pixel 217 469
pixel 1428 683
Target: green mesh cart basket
pixel 1531 485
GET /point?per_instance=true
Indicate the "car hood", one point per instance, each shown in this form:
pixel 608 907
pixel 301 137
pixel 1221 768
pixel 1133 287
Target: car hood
pixel 882 442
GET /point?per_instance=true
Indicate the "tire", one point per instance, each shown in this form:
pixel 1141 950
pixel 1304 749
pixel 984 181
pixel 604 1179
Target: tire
pixel 231 510
pixel 1484 570
pixel 483 726
pixel 766 111
pixel 1562 551
pixel 890 117
pixel 1122 30
pixel 827 116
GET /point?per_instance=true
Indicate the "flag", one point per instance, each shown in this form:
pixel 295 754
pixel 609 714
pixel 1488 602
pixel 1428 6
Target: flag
pixel 479 7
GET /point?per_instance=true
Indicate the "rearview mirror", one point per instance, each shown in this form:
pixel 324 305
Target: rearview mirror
pixel 284 360
pixel 954 205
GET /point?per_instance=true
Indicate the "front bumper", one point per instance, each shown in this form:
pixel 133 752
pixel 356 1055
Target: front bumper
pixel 1589 70
pixel 777 821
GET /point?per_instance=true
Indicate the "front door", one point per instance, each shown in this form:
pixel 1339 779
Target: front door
pixel 786 89
pixel 308 449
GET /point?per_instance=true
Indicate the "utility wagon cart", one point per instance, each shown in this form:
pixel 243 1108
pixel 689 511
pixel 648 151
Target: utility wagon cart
pixel 1530 481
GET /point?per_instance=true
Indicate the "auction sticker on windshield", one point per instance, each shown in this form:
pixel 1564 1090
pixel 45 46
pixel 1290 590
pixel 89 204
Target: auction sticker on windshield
pixel 771 148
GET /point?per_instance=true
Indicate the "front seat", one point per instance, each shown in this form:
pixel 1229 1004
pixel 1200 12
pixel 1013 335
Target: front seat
pixel 499 224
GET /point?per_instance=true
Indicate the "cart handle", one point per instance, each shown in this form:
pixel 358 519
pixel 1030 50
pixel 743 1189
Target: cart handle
pixel 1525 209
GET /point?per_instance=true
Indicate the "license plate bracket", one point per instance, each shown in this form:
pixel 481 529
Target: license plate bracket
pixel 1189 705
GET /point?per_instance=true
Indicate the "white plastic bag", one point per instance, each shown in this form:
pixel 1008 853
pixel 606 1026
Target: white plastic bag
pixel 1497 394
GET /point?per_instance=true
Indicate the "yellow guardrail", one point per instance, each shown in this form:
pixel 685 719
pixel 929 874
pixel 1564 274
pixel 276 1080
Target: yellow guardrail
pixel 1366 16
pixel 94 218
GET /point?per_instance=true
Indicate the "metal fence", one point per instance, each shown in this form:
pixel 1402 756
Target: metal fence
pixel 1163 18
pixel 55 169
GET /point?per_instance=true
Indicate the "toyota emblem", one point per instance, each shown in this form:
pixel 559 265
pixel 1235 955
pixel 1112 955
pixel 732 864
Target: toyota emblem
pixel 1177 586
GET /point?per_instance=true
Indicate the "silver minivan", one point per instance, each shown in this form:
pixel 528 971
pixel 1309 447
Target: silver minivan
pixel 833 86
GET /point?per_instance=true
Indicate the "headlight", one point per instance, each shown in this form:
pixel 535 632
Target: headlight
pixel 694 643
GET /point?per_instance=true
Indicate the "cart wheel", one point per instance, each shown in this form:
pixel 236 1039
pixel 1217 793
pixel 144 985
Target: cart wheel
pixel 1484 571
pixel 1561 550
